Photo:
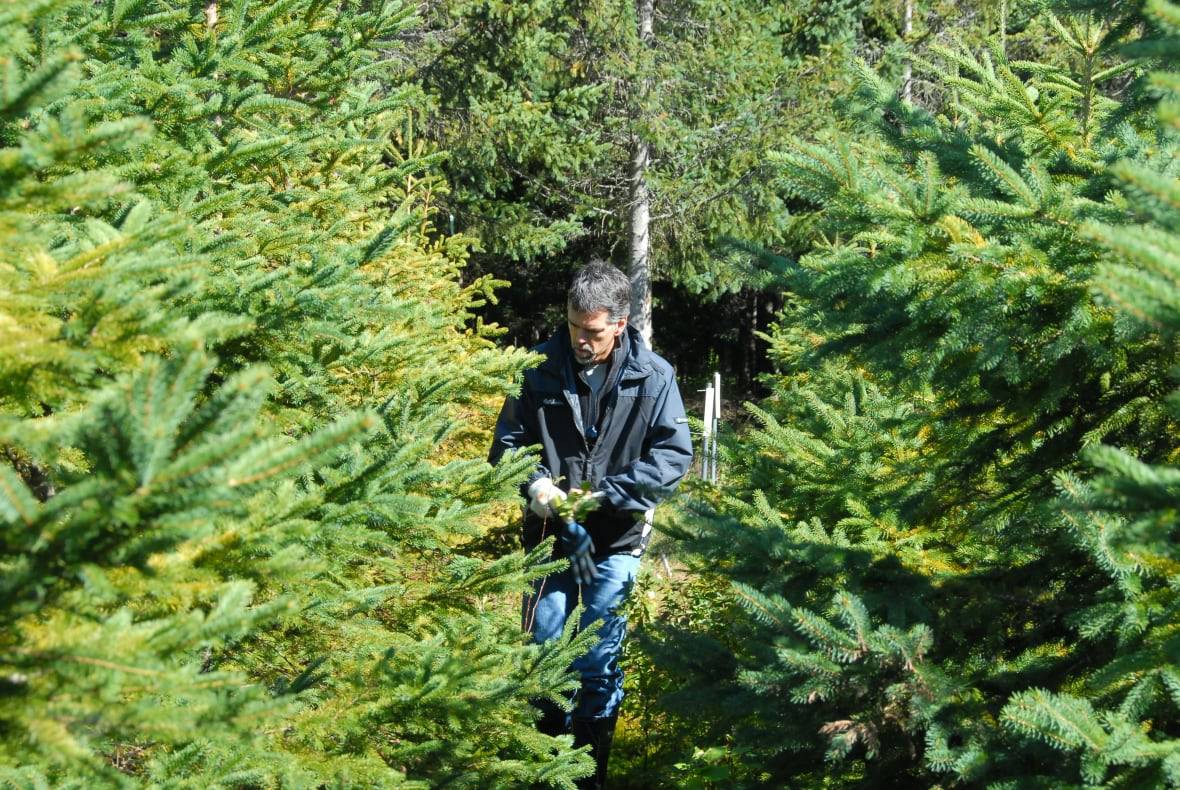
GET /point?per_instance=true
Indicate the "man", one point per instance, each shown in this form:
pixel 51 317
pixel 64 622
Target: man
pixel 607 413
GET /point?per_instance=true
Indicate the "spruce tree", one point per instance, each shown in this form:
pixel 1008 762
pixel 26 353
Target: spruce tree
pixel 542 104
pixel 1119 721
pixel 237 373
pixel 939 587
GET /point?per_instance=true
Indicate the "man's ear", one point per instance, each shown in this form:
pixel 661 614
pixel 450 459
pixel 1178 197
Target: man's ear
pixel 620 327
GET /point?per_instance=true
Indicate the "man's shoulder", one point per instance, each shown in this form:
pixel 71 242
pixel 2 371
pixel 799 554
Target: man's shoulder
pixel 659 366
pixel 551 350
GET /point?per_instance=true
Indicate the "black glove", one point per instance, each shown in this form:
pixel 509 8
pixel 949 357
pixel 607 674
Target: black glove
pixel 576 544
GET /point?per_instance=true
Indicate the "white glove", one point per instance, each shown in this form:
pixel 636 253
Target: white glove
pixel 542 493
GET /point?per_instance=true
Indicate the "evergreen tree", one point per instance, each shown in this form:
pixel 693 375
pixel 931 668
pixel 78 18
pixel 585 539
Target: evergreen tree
pixel 1119 722
pixel 236 366
pixel 924 605
pixel 543 105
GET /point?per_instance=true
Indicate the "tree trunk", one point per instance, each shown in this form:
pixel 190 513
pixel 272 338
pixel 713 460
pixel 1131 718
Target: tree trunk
pixel 639 264
pixel 751 372
pixel 907 74
pixel 1004 27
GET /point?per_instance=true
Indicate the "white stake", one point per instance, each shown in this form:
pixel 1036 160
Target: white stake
pixel 716 424
pixel 706 445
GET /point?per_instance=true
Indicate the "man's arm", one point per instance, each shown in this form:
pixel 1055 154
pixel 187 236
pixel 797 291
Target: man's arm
pixel 667 454
pixel 516 429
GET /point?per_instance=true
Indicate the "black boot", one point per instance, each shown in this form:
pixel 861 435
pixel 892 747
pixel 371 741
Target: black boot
pixel 598 734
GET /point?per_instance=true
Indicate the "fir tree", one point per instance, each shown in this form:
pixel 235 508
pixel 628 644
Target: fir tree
pixel 1119 721
pixel 949 359
pixel 542 105
pixel 236 362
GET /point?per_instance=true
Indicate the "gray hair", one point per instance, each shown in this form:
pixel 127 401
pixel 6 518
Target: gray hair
pixel 600 286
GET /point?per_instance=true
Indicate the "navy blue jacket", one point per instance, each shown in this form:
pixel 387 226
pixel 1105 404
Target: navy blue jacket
pixel 642 450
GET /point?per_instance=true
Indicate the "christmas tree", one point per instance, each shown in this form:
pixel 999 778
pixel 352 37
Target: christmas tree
pixel 237 382
pixel 941 586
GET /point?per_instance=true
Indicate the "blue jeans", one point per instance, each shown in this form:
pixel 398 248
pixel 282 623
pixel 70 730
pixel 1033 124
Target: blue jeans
pixel 553 600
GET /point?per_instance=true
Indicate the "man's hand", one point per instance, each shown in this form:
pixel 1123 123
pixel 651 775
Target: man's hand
pixel 576 544
pixel 542 493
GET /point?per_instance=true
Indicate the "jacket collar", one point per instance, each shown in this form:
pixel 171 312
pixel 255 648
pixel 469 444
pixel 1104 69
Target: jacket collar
pixel 637 363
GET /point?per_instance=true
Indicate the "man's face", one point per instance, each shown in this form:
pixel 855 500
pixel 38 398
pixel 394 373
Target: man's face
pixel 592 335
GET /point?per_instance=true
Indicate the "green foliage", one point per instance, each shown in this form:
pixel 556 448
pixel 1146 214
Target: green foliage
pixel 540 104
pixel 657 739
pixel 950 577
pixel 1117 720
pixel 810 26
pixel 514 112
pixel 235 363
pixel 239 374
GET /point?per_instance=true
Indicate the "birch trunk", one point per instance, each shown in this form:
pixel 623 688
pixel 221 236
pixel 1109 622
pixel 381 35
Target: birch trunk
pixel 639 264
pixel 1004 27
pixel 907 75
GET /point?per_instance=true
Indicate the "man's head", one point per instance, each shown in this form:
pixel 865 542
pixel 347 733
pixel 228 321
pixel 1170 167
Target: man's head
pixel 597 307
